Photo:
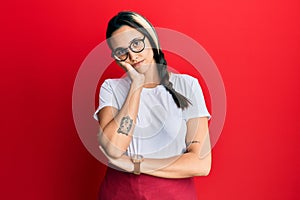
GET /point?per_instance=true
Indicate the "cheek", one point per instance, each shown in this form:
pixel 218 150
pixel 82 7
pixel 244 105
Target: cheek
pixel 148 53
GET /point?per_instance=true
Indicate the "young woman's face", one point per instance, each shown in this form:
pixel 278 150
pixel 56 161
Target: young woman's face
pixel 128 41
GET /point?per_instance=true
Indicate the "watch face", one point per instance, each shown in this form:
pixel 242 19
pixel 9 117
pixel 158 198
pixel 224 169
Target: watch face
pixel 137 158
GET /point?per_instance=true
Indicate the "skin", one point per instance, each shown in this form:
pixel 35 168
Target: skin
pixel 142 70
pixel 140 67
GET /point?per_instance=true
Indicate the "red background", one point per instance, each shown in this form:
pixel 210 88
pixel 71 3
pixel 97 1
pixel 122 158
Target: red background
pixel 255 44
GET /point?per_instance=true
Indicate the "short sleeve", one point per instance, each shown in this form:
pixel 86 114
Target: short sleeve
pixel 198 107
pixel 106 97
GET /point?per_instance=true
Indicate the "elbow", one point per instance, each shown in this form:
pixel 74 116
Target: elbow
pixel 112 151
pixel 109 149
pixel 203 167
pixel 202 171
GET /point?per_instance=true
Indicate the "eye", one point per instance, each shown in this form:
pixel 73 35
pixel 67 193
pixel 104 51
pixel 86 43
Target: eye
pixel 120 52
pixel 136 43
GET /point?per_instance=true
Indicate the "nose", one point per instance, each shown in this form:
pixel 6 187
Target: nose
pixel 132 55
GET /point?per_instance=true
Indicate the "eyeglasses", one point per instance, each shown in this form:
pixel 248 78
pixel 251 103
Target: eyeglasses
pixel 136 45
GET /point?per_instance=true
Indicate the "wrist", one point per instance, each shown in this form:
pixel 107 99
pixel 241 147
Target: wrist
pixel 137 160
pixel 136 87
pixel 137 83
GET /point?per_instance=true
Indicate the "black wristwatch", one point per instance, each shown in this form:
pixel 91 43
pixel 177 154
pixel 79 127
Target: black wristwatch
pixel 137 159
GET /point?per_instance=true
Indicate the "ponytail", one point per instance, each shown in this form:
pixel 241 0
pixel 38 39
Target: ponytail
pixel 180 100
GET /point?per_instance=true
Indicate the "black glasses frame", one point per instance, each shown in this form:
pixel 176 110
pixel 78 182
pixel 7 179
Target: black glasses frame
pixel 129 47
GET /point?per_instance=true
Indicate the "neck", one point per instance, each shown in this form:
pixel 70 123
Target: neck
pixel 152 78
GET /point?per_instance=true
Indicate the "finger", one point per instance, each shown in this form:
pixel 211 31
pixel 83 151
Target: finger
pixel 126 66
pixel 129 69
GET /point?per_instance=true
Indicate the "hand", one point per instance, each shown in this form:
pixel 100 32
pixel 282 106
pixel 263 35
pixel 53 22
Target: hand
pixel 137 78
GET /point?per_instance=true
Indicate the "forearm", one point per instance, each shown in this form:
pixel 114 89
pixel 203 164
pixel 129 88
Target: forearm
pixel 116 136
pixel 122 163
pixel 195 162
pixel 186 165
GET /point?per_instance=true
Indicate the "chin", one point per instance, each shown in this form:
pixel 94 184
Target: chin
pixel 143 68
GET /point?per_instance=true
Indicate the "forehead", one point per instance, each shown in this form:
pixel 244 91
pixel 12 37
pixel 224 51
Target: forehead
pixel 123 36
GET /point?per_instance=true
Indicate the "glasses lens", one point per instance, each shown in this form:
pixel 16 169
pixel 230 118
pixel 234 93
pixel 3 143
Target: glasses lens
pixel 120 54
pixel 137 45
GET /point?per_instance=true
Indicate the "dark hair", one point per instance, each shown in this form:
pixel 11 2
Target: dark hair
pixel 142 25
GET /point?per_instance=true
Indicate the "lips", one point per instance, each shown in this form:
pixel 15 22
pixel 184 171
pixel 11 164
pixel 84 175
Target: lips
pixel 135 65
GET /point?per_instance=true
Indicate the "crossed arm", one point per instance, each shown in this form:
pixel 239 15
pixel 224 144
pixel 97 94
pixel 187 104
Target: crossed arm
pixel 196 161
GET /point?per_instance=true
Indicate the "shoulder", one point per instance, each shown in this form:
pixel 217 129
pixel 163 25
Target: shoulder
pixel 114 83
pixel 182 79
pixel 115 86
pixel 185 84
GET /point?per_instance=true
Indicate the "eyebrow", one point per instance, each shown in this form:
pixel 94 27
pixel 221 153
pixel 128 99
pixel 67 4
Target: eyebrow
pixel 139 37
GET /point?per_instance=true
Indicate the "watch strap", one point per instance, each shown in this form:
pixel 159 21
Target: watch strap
pixel 137 168
pixel 137 159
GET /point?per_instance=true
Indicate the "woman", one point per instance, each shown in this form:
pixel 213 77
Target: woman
pixel 154 124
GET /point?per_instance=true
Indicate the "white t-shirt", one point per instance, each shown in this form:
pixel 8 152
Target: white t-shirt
pixel 160 127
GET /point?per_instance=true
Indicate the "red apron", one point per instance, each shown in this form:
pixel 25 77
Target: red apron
pixel 119 185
